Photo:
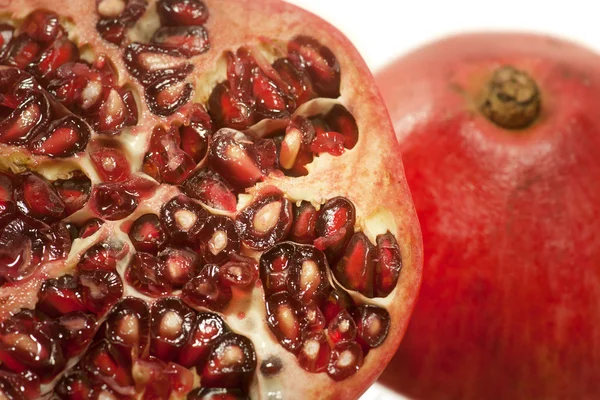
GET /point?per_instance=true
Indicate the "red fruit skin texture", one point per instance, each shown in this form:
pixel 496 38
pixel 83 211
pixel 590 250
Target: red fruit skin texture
pixel 510 293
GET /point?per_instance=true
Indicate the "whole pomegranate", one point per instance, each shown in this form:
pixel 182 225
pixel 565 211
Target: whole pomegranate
pixel 499 136
pixel 198 199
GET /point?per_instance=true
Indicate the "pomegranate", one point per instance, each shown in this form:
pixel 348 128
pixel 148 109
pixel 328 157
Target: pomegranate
pixel 499 140
pixel 192 204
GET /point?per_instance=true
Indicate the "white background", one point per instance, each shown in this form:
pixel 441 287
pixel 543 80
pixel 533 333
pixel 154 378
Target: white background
pixel 385 29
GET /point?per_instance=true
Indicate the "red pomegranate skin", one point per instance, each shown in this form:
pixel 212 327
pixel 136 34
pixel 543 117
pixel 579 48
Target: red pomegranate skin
pixel 510 292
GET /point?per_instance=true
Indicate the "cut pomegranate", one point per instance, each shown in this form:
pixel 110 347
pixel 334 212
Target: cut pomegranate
pixel 177 204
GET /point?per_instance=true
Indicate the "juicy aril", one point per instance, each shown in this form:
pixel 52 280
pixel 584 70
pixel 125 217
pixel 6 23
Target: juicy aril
pixel 197 199
pixel 499 135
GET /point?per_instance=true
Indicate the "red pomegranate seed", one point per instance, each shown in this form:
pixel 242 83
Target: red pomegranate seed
pixel 75 331
pixel 171 323
pixel 74 191
pixel 166 161
pixel 206 291
pixel 336 301
pixel 7 205
pixel 313 316
pixel 239 274
pixel 295 151
pixel 372 326
pixel 23 245
pixel 315 352
pixel 28 118
pixel 179 266
pixel 189 40
pixel 58 243
pixel 36 197
pixel 271 366
pixel 355 269
pixel 90 227
pixel 328 142
pixel 303 228
pixel 128 326
pixel 60 296
pixel 229 111
pixel 341 328
pixel 194 141
pixel 182 12
pixel 218 239
pixel 210 188
pixel 147 234
pixel 320 63
pixel 145 274
pixel 105 363
pixel 307 276
pixel 42 25
pixel 208 327
pixel 148 63
pixel 26 344
pixel 183 219
pixel 388 264
pixel 340 120
pixel 111 30
pixel 230 364
pixel 64 137
pixel 21 52
pixel 270 100
pixel 117 110
pixel 204 393
pixel 60 52
pixel 113 201
pixel 74 385
pixel 274 267
pixel 100 289
pixel 23 386
pixel 284 320
pixel 102 256
pixel 298 81
pixel 346 359
pixel 265 222
pixel 167 95
pixel 334 227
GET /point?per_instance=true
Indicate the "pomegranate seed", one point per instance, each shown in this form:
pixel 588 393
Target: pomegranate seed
pixel 21 52
pixel 208 327
pixel 147 234
pixel 145 274
pixel 60 296
pixel 295 151
pixel 116 111
pixel 183 219
pixel 206 291
pixel 25 385
pixel 284 320
pixel 105 363
pixel 270 101
pixel 42 25
pixel 355 269
pixel 167 95
pixel 113 201
pixel 239 274
pixel 340 120
pixel 75 331
pixel 26 344
pixel 150 375
pixel 74 385
pixel 372 326
pixel 74 191
pixel 179 266
pixel 315 352
pixel 58 243
pixel 36 197
pixel 337 301
pixel 111 30
pixel 341 328
pixel 23 245
pixel 171 323
pixel 328 142
pixel 90 227
pixel 182 12
pixel 265 222
pixel 7 205
pixel 26 120
pixel 334 227
pixel 307 276
pixel 211 189
pixel 148 63
pixel 166 161
pixel 117 18
pixel 100 289
pixel 102 256
pixel 303 228
pixel 274 267
pixel 229 111
pixel 128 326
pixel 313 316
pixel 194 141
pixel 64 137
pixel 271 366
pixel 230 364
pixel 320 63
pixel 346 359
pixel 298 82
pixel 60 52
pixel 218 239
pixel 189 40
pixel 204 393
pixel 388 266
pixel 110 162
